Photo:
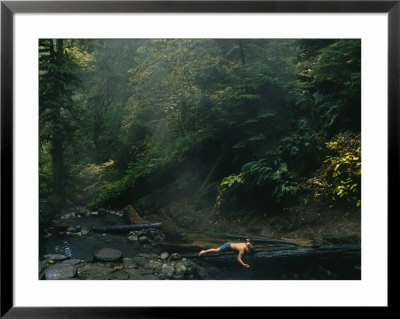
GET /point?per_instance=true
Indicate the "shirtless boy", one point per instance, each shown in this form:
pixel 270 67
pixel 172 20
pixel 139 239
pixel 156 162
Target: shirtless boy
pixel 242 248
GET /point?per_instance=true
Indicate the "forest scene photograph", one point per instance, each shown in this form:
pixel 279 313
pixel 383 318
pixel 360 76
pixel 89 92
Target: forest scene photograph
pixel 199 159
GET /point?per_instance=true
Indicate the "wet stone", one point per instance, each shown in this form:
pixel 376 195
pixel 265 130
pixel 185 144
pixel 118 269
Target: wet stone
pixel 175 256
pixel 164 255
pixel 56 257
pixel 61 226
pixel 180 268
pixel 60 272
pixel 108 255
pixel 73 261
pixel 130 265
pixel 81 210
pixel 167 269
pixel 95 271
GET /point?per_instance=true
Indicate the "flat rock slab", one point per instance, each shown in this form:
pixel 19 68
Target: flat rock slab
pixel 60 272
pixel 108 255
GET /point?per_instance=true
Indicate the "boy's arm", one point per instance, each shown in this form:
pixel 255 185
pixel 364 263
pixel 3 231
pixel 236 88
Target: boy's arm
pixel 240 259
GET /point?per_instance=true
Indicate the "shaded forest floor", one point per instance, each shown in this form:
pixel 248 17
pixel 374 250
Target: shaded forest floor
pixel 309 225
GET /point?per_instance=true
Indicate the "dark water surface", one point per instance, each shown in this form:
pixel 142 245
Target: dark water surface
pixel 341 262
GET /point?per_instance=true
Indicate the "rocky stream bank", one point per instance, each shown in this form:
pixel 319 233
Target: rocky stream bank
pixel 146 260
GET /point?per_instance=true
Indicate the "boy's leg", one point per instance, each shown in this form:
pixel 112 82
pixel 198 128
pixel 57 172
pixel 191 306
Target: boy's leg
pixel 211 250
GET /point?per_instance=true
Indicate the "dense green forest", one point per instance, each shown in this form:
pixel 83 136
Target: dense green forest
pixel 248 127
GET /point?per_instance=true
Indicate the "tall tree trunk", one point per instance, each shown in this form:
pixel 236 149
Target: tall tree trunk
pixel 57 141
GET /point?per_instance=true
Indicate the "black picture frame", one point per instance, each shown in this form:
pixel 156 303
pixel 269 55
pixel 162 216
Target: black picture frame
pixel 9 8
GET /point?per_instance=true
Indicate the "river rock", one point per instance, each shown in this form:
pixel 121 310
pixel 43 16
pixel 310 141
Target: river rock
pixel 61 226
pixel 60 272
pixel 73 261
pixel 143 239
pixel 180 268
pixel 175 256
pixel 108 255
pixel 164 255
pixel 55 257
pixel 154 265
pixel 168 270
pixel 95 271
pixel 84 231
pixel 200 271
pixel 133 238
pixel 130 265
pixel 81 210
pixel 42 267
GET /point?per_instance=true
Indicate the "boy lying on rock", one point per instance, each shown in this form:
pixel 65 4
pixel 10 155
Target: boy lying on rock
pixel 242 248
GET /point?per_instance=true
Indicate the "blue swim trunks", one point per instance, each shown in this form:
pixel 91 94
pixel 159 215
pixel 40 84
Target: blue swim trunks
pixel 225 247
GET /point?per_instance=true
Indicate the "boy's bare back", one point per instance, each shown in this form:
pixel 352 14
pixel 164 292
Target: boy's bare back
pixel 238 246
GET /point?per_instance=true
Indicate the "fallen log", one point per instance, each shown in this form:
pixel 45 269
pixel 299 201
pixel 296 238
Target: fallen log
pixel 123 228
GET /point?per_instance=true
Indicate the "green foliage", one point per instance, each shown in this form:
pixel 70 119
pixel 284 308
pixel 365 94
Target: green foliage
pixel 273 177
pixel 338 181
pixel 120 119
pixel 61 63
pixel 302 150
pixel 92 179
pixel 330 83
pixel 231 180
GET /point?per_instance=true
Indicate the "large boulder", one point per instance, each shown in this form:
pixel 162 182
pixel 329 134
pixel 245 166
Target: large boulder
pixel 108 255
pixel 60 272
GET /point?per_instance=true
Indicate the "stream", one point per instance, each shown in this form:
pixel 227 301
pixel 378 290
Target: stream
pixel 273 259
